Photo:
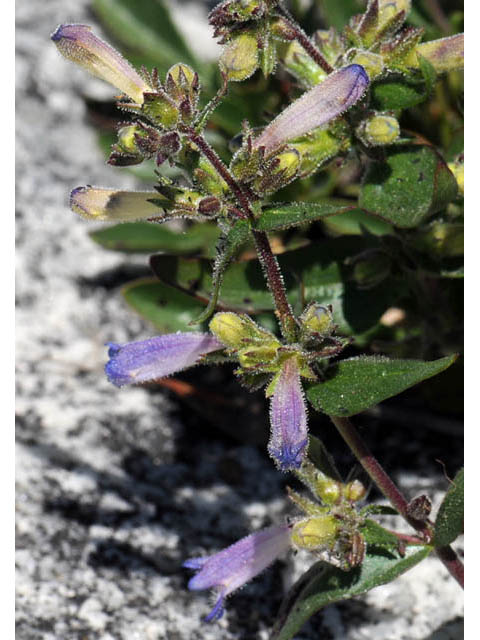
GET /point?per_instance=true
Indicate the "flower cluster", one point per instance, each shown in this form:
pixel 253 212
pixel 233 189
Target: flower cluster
pixel 336 71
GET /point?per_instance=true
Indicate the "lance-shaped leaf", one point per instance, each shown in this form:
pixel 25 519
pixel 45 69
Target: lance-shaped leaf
pixel 236 565
pixel 353 385
pixel 322 585
pixel 288 419
pixel 96 203
pixel 449 522
pixel 78 43
pixel 165 307
pixel 149 237
pixel 326 101
pixel 412 183
pixel 157 357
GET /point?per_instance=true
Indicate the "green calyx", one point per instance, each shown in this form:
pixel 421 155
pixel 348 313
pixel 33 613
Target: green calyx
pixel 258 351
pixel 331 528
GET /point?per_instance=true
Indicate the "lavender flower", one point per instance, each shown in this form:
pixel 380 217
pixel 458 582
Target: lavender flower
pixel 234 566
pixel 157 357
pixel 78 43
pixel 326 101
pixel 95 203
pixel 288 419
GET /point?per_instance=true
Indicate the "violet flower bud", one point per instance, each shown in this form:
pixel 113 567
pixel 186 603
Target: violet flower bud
pixel 288 419
pixel 234 566
pixel 326 101
pixel 96 203
pixel 78 43
pixel 444 54
pixel 157 357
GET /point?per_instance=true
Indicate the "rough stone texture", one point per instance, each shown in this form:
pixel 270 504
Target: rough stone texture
pixel 115 488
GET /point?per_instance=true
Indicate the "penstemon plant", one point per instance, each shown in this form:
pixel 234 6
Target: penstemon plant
pixel 384 275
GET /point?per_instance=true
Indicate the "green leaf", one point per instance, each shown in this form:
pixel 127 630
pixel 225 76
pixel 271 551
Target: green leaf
pixel 167 308
pixel 322 585
pixel 314 273
pixel 449 523
pixel 146 30
pixel 353 223
pixel 397 93
pixel 376 536
pixel 278 216
pixel 413 183
pixel 353 385
pixel 148 237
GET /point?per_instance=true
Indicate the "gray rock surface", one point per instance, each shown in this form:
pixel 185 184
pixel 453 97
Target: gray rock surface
pixel 114 490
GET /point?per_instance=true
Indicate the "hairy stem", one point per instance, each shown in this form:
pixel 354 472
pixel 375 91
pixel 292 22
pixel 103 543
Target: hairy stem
pixel 377 473
pixel 453 563
pixel 276 285
pixel 212 105
pixel 390 490
pixel 302 38
pixel 265 255
pixel 221 169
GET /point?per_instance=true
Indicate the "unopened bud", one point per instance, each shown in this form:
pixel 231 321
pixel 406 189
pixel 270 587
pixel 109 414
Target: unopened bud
pixel 136 140
pixel 125 151
pixel 315 532
pixel 378 130
pixel 126 138
pixel 240 59
pixel 355 491
pixel 239 331
pixel 317 319
pixel 388 9
pixel 371 62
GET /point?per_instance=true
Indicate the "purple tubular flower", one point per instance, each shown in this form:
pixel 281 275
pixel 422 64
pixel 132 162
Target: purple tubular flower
pixel 326 101
pixel 78 43
pixel 288 419
pixel 157 357
pixel 234 566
